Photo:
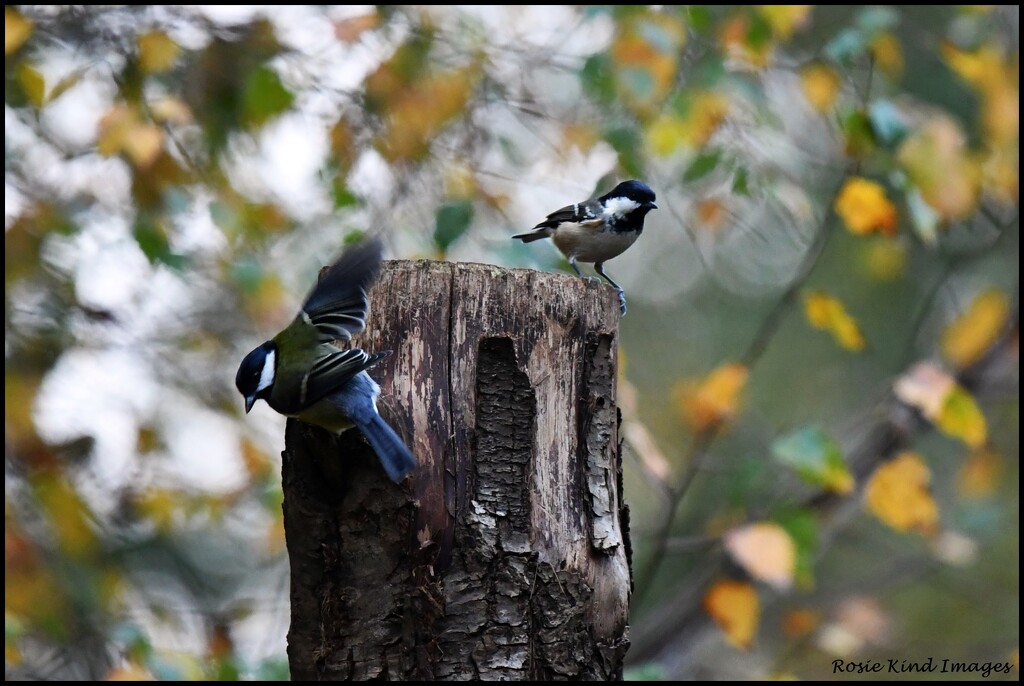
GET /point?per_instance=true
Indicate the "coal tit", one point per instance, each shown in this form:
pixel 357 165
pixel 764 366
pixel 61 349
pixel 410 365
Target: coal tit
pixel 598 230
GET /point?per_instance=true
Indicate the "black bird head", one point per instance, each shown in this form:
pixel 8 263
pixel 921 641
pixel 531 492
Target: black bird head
pixel 629 202
pixel 255 377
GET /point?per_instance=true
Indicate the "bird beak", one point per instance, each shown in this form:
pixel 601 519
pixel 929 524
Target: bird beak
pixel 250 400
pixel 653 205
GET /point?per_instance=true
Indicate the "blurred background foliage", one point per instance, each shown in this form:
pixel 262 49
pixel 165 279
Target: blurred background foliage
pixel 819 366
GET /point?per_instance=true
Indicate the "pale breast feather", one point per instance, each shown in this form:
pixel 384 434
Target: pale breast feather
pixel 583 242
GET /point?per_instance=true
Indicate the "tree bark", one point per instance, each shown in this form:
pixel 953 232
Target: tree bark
pixel 506 554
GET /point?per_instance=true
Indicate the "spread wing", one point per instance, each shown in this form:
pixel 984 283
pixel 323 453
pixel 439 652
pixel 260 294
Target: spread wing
pixel 333 370
pixel 338 304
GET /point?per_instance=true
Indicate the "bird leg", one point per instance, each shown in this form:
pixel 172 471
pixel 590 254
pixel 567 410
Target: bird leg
pixel 572 263
pixel 599 268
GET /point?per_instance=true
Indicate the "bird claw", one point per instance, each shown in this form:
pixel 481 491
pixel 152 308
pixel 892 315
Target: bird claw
pixel 622 302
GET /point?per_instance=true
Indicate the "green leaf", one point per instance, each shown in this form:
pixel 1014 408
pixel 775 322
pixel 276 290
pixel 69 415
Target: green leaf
pixel 860 136
pixel 626 141
pixel 264 96
pixel 153 241
pixel 342 196
pixel 887 123
pixel 703 165
pixel 802 527
pixel 816 458
pixel 596 77
pixel 32 84
pixel 353 237
pixel 700 18
pixel 453 219
pixel 247 274
pixel 650 671
pixel 741 182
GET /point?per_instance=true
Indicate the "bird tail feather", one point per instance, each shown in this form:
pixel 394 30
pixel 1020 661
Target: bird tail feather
pixel 394 456
pixel 534 235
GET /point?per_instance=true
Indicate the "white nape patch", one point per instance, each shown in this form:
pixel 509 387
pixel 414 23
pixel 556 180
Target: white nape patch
pixel 619 207
pixel 267 375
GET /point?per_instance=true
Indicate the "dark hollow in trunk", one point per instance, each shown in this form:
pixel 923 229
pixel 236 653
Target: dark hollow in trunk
pixel 506 554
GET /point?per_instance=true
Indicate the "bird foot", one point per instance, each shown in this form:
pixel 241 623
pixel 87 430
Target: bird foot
pixel 622 302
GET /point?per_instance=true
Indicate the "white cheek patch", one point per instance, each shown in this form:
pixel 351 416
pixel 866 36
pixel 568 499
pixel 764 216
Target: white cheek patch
pixel 267 375
pixel 619 207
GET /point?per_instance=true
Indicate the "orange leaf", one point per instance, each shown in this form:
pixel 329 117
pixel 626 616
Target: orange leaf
pixel 736 609
pixel 898 494
pixel 765 551
pixel 979 474
pixel 799 623
pixel 349 30
pixel 971 334
pixel 714 399
pixel 17 29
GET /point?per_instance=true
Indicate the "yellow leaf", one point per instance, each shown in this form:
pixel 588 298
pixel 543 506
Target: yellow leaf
pixel 68 515
pixel 157 52
pixel 713 400
pixel 827 313
pixel 171 110
pixel 765 551
pixel 459 181
pixel 17 29
pixel 898 494
pixel 160 506
pixel 706 113
pixel 123 130
pixel 864 208
pixel 979 474
pixel 33 84
pixel 960 417
pixel 784 19
pixel 666 134
pixel 888 54
pixel 971 334
pixel 938 162
pixel 735 608
pixel 820 84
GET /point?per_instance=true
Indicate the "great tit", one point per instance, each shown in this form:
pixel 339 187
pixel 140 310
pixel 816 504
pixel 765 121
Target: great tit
pixel 301 373
pixel 598 230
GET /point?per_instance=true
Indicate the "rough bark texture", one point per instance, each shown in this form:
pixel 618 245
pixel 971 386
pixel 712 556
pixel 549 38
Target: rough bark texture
pixel 506 554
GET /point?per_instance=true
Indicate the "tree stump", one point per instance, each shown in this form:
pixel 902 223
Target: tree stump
pixel 506 554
